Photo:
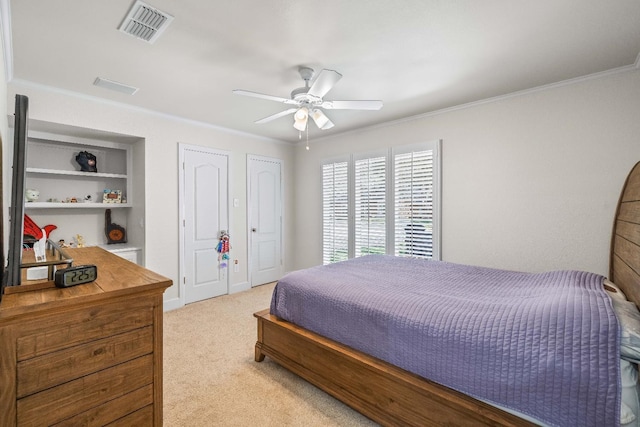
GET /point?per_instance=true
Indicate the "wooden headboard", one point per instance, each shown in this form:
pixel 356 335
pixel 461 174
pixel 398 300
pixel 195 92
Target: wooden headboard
pixel 624 264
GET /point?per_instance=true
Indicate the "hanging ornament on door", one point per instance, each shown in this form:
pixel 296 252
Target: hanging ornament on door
pixel 223 249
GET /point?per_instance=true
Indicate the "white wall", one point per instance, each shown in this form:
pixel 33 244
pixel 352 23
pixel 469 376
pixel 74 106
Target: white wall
pixel 530 182
pixel 162 135
pixel 4 141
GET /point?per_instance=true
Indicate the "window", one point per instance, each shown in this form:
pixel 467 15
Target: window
pixel 413 203
pixel 370 206
pixel 382 203
pixel 335 219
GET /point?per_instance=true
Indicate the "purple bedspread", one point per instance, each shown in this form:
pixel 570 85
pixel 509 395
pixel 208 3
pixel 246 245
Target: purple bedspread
pixel 546 344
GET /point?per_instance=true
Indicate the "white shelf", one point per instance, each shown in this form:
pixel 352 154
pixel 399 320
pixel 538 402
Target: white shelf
pixel 75 173
pixel 79 205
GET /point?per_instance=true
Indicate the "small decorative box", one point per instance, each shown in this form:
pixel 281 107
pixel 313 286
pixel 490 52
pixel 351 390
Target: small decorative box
pixel 112 196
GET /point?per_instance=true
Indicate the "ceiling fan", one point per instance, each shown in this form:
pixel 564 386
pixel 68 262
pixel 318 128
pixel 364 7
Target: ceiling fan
pixel 307 101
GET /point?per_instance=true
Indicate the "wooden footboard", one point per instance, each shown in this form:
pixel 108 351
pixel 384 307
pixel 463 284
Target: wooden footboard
pixel 378 390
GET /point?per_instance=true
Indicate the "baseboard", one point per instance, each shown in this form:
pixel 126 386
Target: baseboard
pixel 239 287
pixel 172 304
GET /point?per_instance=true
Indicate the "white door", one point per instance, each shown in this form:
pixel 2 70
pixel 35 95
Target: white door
pixel 206 213
pixel 265 219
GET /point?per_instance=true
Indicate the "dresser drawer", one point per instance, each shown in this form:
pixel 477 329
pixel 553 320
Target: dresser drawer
pixel 133 409
pixel 77 327
pixel 59 367
pixel 56 404
pixel 141 418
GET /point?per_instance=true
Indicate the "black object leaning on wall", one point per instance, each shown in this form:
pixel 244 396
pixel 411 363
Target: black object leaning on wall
pixel 11 275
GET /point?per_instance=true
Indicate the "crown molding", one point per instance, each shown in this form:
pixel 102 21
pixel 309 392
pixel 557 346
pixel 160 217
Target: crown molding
pixel 568 82
pixel 125 106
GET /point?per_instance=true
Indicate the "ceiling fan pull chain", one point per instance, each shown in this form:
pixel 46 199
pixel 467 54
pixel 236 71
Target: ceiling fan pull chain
pixel 307 136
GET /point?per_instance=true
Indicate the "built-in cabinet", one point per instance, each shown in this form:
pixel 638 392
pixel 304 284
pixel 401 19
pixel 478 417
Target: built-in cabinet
pixel 129 253
pixel 74 200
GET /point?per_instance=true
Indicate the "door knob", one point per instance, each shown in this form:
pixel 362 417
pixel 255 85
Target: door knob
pixel 254 230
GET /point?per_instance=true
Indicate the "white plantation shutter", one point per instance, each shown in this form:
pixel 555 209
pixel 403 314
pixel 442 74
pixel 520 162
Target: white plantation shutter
pixel 370 206
pixel 378 203
pixel 414 215
pixel 335 212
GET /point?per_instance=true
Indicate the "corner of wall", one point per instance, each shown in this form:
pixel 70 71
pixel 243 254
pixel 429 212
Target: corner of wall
pixel 5 74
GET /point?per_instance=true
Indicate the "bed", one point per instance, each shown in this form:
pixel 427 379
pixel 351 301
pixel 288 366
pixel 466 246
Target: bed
pixel 371 376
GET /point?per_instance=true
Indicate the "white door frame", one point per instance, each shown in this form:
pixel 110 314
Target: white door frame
pixel 251 157
pixel 181 207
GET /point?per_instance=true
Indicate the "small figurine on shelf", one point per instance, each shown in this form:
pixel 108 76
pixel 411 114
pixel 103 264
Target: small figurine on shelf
pixel 87 162
pixel 114 232
pixel 80 241
pixel 31 195
pixel 88 198
pixel 64 244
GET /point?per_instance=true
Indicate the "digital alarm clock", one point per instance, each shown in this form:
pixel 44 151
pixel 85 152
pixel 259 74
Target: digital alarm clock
pixel 77 275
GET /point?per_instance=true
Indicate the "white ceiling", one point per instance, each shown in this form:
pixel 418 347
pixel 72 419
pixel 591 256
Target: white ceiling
pixel 417 56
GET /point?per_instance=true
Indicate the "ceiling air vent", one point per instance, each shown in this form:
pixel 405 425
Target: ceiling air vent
pixel 118 87
pixel 145 22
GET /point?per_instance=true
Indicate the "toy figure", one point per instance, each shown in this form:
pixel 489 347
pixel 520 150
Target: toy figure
pixel 39 235
pixel 31 195
pixel 223 248
pixel 87 162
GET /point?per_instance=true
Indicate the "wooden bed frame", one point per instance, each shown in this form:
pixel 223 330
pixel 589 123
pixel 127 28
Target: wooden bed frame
pixel 394 397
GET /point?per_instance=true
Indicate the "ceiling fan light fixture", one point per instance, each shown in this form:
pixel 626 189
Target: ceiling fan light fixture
pixel 301 125
pixel 320 119
pixel 300 119
pixel 302 113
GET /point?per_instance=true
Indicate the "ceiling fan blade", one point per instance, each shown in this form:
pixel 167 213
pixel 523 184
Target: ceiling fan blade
pixel 263 96
pixel 352 105
pixel 277 115
pixel 324 82
pixel 322 121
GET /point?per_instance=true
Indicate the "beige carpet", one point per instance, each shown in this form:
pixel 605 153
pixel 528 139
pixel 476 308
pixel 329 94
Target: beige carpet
pixel 211 379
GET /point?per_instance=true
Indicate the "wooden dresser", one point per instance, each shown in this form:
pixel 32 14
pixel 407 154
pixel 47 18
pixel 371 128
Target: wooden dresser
pixel 89 355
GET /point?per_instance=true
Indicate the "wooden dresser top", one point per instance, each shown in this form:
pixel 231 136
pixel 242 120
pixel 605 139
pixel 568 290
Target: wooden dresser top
pixel 116 277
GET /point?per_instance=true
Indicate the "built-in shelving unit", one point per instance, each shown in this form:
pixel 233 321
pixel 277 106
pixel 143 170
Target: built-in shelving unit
pixel 54 172
pixel 72 199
